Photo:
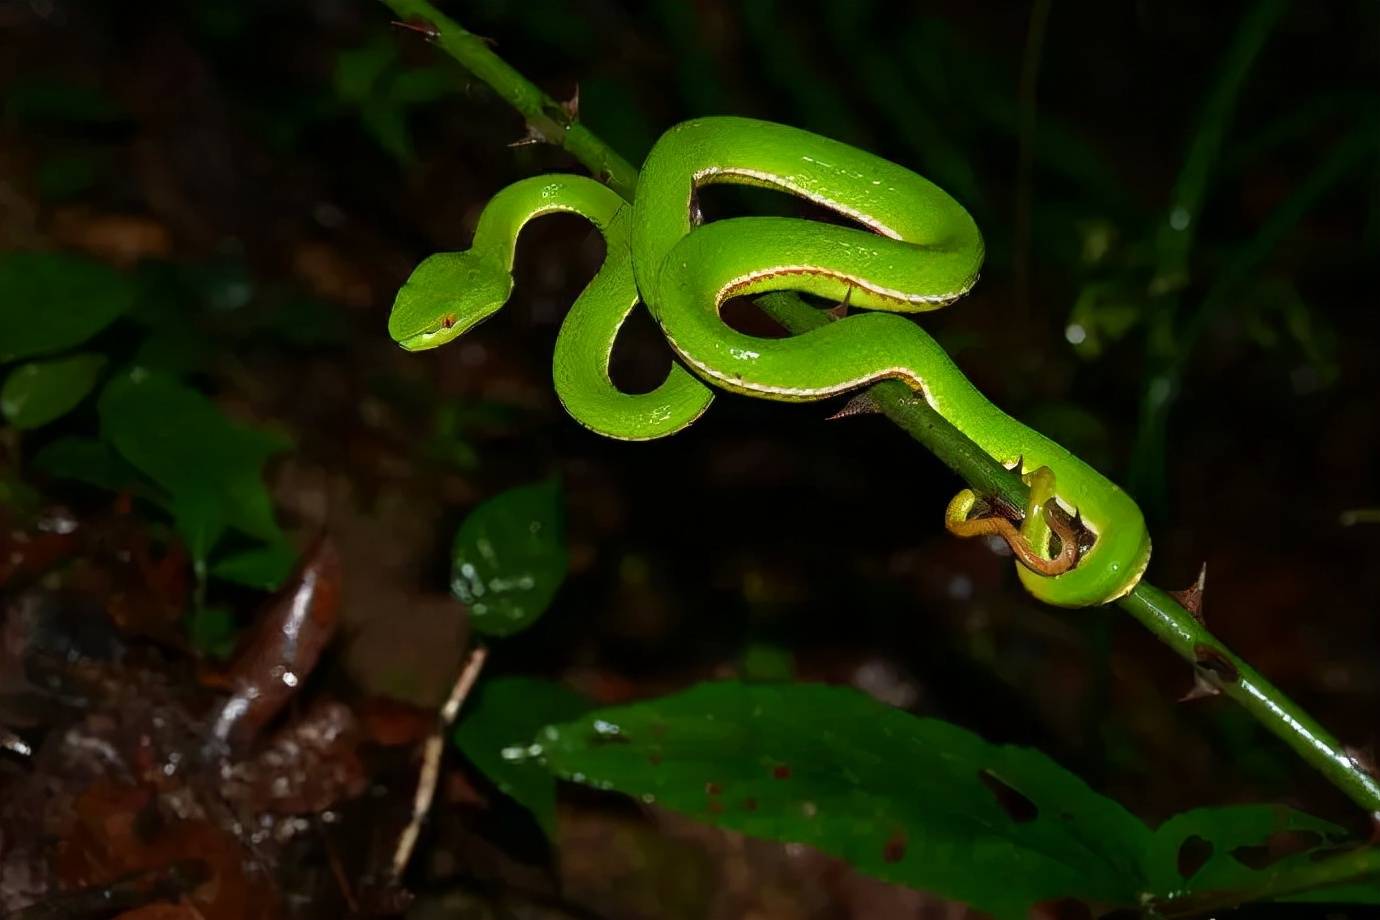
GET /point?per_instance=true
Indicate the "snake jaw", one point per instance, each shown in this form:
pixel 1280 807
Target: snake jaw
pixel 443 330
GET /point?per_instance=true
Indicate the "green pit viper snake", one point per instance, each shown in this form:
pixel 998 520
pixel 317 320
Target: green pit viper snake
pixel 920 251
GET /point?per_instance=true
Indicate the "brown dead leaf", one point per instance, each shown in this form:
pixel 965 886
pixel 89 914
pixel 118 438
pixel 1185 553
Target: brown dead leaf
pixel 330 274
pixel 121 239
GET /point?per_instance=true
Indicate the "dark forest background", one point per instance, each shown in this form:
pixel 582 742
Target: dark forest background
pixel 1183 239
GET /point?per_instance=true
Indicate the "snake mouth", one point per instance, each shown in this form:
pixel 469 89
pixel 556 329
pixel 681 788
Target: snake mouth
pixel 443 331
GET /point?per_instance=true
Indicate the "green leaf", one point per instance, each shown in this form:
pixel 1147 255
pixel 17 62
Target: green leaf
pixel 421 85
pixel 212 631
pixel 358 71
pixel 509 558
pixel 1367 892
pixel 908 800
pixel 55 101
pixel 64 177
pixel 762 662
pixel 264 567
pixel 388 126
pixel 211 466
pixel 1220 838
pixel 506 713
pixel 39 392
pixel 50 301
pixel 94 463
pixel 20 500
pixel 176 350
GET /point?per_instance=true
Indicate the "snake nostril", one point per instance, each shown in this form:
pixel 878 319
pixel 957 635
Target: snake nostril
pixel 448 321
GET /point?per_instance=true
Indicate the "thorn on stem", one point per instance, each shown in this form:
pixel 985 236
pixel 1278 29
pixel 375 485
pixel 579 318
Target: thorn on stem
pixel 571 106
pixel 1200 690
pixel 1211 669
pixel 840 310
pixel 862 404
pixel 1191 598
pixel 533 136
pixel 420 26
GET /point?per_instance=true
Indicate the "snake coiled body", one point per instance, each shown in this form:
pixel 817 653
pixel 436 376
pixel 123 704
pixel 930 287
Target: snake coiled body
pixel 916 249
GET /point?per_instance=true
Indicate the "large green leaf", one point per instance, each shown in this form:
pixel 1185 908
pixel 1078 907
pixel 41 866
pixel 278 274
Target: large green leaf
pixel 909 800
pixel 51 300
pixel 503 715
pixel 509 558
pixel 211 466
pixel 38 392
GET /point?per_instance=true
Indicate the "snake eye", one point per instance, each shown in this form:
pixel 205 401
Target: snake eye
pixel 448 321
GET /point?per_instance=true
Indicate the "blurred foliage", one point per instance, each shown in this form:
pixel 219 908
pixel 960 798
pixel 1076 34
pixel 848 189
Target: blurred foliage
pixel 38 392
pixel 54 301
pixel 372 82
pixel 159 439
pixel 209 468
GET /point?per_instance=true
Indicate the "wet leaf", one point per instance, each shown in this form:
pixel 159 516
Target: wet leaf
pixel 309 765
pixel 504 713
pixel 38 392
pixel 908 800
pixel 509 558
pixel 51 300
pixel 114 830
pixel 211 466
pixel 281 649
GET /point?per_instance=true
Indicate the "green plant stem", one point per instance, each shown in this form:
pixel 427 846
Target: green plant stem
pixel 548 121
pixel 1153 608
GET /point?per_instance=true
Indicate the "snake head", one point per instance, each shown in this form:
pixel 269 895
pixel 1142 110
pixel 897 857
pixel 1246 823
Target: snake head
pixel 447 294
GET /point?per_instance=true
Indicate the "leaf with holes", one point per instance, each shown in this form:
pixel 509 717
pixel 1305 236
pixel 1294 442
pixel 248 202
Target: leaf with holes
pixel 509 558
pixel 1245 848
pixel 909 800
pixel 38 392
pixel 505 713
pixel 50 301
